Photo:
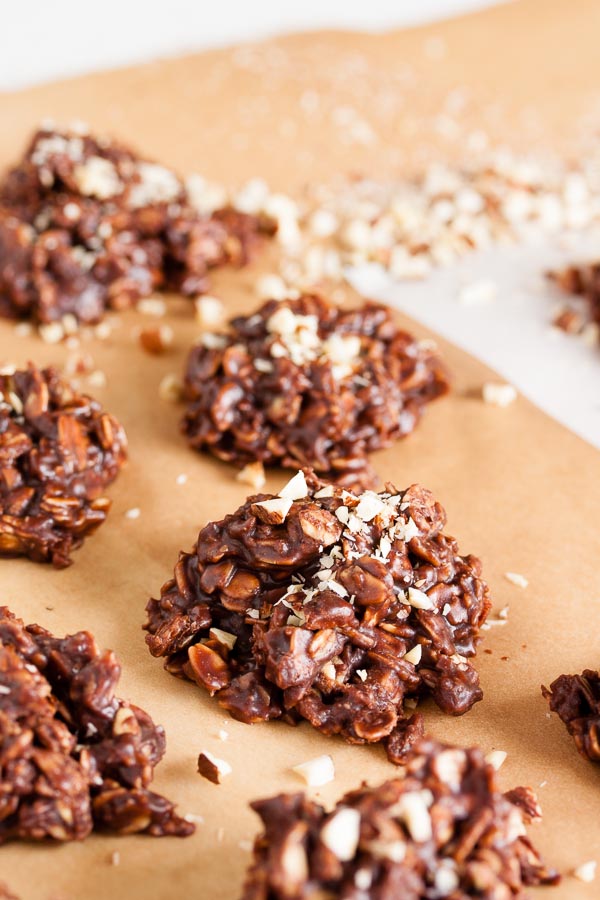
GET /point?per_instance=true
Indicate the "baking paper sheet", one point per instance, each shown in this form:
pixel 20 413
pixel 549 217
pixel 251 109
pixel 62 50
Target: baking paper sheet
pixel 520 490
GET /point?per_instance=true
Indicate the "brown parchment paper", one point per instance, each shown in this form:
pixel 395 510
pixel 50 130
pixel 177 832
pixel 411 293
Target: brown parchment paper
pixel 520 491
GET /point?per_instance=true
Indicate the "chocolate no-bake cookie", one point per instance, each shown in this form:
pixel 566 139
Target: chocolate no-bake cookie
pixel 86 225
pixel 304 383
pixel 576 699
pixel 319 604
pixel 73 757
pixel 445 830
pixel 58 452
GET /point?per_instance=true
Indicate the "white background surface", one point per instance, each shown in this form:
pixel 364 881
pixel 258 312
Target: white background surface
pixel 45 39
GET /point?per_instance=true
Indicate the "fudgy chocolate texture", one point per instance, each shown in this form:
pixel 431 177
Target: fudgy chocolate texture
pixel 576 699
pixel 73 757
pixel 445 830
pixel 58 452
pixel 87 225
pixel 324 605
pixel 304 383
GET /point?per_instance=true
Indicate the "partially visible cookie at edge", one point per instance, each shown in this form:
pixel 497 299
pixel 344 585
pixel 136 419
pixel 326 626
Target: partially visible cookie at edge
pixel 443 830
pixel 74 757
pixel 59 450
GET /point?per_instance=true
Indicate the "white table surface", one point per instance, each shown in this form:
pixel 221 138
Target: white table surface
pixel 41 41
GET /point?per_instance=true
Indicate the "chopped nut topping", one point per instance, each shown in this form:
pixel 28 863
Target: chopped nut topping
pixel 272 512
pixel 341 833
pixel 296 488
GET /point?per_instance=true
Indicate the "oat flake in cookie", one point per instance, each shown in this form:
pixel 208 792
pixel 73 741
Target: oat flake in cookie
pixel 73 757
pixel 445 830
pixel 576 699
pixel 304 383
pixel 87 225
pixel 58 452
pixel 319 604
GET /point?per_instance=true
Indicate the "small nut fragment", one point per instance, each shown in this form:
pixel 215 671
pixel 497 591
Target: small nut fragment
pixel 133 513
pixel 341 833
pixel 52 333
pixel 152 306
pixel 170 388
pixel 271 287
pixel 414 656
pixel 496 758
pixel 272 512
pixel 156 339
pixel 419 599
pixel 515 578
pixel 316 772
pixel 586 872
pixel 252 474
pixel 212 768
pixel 210 311
pixel 499 394
pixel 223 637
pixel 296 488
pixel 413 810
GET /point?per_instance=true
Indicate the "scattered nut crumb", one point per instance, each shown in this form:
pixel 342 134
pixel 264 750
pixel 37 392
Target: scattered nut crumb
pixel 478 292
pixel 97 379
pixel 316 772
pixel 210 311
pixel 52 333
pixel 586 872
pixel 223 735
pixel 499 394
pixel 252 474
pixel 517 579
pixel 152 306
pixel 271 287
pixel 181 479
pixel 23 329
pixel 103 331
pixel 212 768
pixel 133 513
pixel 156 339
pixel 193 817
pixel 115 858
pixel 272 512
pixel 170 388
pixel 496 758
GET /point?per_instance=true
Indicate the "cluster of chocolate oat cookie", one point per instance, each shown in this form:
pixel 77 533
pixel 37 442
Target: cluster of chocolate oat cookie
pixel 329 602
